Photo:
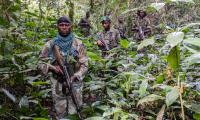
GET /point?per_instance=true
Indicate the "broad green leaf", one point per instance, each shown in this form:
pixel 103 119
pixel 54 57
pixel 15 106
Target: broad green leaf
pixel 95 118
pixel 124 43
pixel 39 83
pixel 103 107
pixel 175 38
pixel 173 58
pixel 190 25
pixel 193 107
pixel 93 56
pixel 157 6
pixel 149 98
pixel 111 111
pixel 145 43
pixel 196 116
pixel 160 78
pixel 171 96
pixel 23 55
pixel 192 44
pixel 193 59
pixel 143 88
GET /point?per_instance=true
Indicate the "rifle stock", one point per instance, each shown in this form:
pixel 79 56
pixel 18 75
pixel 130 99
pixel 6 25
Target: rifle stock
pixel 67 79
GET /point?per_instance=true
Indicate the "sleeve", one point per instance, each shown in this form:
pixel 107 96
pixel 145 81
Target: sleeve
pixel 43 63
pixel 117 36
pixel 83 62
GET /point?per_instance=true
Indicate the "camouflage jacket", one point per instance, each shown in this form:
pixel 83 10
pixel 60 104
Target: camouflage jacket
pixel 144 23
pixel 80 61
pixel 121 27
pixel 109 38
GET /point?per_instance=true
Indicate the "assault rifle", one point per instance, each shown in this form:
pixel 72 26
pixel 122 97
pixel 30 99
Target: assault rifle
pixel 66 80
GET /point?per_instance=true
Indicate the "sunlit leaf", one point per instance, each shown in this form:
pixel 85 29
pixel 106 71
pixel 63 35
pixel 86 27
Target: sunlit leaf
pixel 145 43
pixel 189 1
pixel 143 88
pixel 95 118
pixel 193 59
pixel 149 98
pixel 192 106
pixel 124 43
pixel 157 6
pixel 111 111
pixel 160 78
pixel 171 96
pixel 175 38
pixel 39 83
pixel 192 44
pixel 93 56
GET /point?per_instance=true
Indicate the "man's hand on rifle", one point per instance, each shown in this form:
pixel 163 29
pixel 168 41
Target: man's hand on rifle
pixel 57 69
pixel 74 79
pixel 100 43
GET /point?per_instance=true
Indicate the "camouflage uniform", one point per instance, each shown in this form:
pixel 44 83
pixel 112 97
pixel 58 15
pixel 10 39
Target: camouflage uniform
pixel 144 23
pixel 85 26
pixel 109 38
pixel 121 27
pixel 79 68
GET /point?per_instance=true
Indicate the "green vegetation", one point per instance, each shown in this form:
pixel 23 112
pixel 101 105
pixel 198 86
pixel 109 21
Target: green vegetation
pixel 160 83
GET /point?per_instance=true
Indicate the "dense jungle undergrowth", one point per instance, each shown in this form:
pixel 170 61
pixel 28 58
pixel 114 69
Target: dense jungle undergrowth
pixel 160 83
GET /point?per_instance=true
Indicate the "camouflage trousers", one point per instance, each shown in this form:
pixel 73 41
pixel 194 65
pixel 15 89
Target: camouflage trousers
pixel 64 102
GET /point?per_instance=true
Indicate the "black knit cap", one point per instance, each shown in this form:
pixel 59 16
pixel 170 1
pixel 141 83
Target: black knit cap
pixel 63 19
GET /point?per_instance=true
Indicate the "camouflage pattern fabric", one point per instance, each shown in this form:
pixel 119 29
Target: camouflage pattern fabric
pixel 80 67
pixel 144 23
pixel 121 27
pixel 109 38
pixel 85 26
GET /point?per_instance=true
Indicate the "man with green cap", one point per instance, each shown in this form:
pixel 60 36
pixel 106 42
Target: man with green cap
pixel 108 38
pixel 66 48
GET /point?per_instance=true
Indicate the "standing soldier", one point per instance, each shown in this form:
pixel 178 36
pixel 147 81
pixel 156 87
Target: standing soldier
pixel 108 38
pixel 141 25
pixel 121 27
pixel 64 50
pixel 85 25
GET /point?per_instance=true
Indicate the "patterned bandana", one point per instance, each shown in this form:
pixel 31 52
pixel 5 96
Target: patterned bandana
pixel 65 43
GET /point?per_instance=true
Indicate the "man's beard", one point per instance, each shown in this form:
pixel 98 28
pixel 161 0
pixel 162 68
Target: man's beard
pixel 64 34
pixel 107 29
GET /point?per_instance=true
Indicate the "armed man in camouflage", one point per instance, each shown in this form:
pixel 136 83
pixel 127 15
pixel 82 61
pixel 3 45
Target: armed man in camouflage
pixel 141 26
pixel 73 53
pixel 121 27
pixel 108 38
pixel 85 25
